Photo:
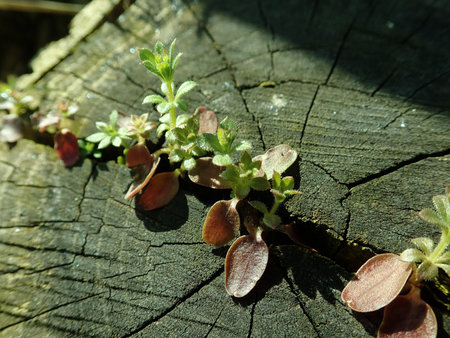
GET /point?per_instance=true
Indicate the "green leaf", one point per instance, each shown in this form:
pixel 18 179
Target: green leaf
pixel 260 206
pixel 412 255
pixel 425 244
pixel 287 183
pixel 246 160
pixel 276 180
pixel 162 128
pixel 165 119
pixel 439 204
pixel 220 159
pixel 241 191
pixel 116 141
pixel 182 119
pixel 230 174
pixel 209 142
pixel 113 117
pixel 444 258
pixel 100 125
pixel 163 107
pixel 96 137
pixel 175 61
pixel 189 164
pixel 176 155
pixel 430 216
pixel 271 221
pixel 259 183
pixel 231 128
pixel 185 88
pixel 171 48
pixel 151 67
pixel 153 99
pixel 105 142
pixel 159 47
pixel 183 105
pixel 147 55
pixel 241 146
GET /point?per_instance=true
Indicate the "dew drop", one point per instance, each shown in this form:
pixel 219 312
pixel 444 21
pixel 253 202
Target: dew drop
pixel 132 50
pixel 335 112
pixel 414 110
pixel 390 24
pixel 229 85
pixel 102 69
pixel 402 123
pixel 17 230
pixel 4 96
pixel 89 96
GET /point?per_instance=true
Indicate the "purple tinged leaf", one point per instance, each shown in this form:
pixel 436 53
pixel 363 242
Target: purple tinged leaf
pixel 207 174
pixel 66 145
pixel 245 263
pixel 207 121
pixel 222 223
pixel 408 316
pixel 376 283
pixel 161 190
pixel 143 164
pixel 12 129
pixel 278 158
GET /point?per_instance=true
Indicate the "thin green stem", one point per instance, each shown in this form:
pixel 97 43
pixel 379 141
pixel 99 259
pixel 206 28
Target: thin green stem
pixel 170 99
pixel 442 245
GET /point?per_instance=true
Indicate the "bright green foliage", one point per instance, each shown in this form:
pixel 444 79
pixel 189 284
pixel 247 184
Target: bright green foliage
pixel 163 65
pixel 223 143
pixel 110 134
pixel 281 189
pixel 184 138
pixel 244 176
pixel 429 256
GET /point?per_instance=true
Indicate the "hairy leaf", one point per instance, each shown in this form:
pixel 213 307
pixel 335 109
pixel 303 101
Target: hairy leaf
pixel 408 316
pixel 278 158
pixel 245 263
pixel 161 190
pixel 207 174
pixel 222 223
pixel 376 283
pixel 143 164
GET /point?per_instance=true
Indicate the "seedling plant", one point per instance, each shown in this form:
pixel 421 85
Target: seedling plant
pixel 198 148
pixel 394 281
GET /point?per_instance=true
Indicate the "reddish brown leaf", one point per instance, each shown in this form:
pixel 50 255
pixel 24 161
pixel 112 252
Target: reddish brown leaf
pixel 278 158
pixel 408 316
pixel 207 174
pixel 138 155
pixel 66 145
pixel 143 164
pixel 376 283
pixel 222 223
pixel 245 264
pixel 161 190
pixel 208 121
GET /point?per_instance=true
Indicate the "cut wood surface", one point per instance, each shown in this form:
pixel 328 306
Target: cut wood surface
pixel 358 88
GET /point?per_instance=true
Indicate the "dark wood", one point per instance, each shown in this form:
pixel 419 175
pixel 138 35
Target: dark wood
pixel 358 88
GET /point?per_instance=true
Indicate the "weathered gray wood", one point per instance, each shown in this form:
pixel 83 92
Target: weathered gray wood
pixel 359 91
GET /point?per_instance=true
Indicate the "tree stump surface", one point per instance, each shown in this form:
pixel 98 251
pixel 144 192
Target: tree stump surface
pixel 358 88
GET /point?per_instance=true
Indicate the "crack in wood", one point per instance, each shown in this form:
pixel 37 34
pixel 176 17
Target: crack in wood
pixel 50 310
pixel 297 297
pixel 389 170
pixel 190 294
pixel 307 116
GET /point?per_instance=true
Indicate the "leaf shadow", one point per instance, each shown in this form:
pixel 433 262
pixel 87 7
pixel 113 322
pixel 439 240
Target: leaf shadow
pixel 301 264
pixel 167 218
